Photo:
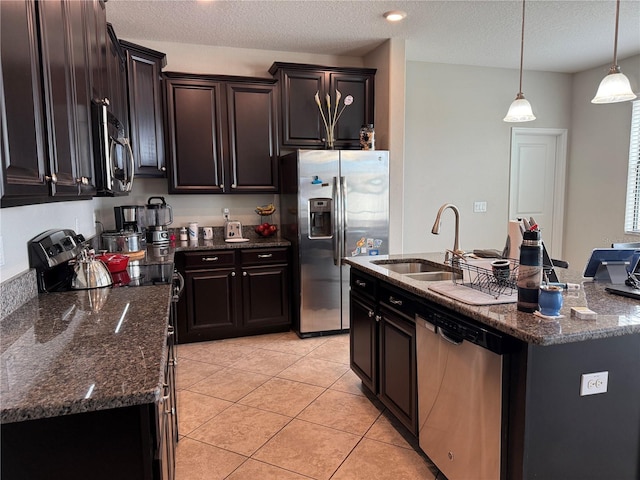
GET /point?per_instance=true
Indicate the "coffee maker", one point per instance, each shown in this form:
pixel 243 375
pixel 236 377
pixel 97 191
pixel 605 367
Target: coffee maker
pixel 158 217
pixel 129 218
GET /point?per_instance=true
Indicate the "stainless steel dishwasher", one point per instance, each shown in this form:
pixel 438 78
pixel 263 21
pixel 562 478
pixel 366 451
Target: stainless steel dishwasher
pixel 459 394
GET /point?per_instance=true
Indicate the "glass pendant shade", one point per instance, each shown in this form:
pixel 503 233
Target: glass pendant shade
pixel 614 88
pixel 520 110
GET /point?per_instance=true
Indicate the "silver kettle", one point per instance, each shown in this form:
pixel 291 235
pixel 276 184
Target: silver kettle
pixel 90 273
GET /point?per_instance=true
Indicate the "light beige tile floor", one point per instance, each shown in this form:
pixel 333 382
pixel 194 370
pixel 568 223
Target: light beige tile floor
pixel 277 407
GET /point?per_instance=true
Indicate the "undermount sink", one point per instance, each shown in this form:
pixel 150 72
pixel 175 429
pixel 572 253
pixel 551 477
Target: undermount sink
pixel 434 276
pixel 418 270
pixel 415 266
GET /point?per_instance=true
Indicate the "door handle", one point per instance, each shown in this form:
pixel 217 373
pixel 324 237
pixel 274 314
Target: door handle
pixel 265 255
pixel 395 301
pixel 209 259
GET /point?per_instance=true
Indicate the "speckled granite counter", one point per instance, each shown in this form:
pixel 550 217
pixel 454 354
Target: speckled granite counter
pixel 218 243
pixel 616 315
pixel 72 352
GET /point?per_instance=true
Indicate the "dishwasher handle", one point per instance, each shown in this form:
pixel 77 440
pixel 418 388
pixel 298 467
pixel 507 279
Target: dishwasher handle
pixel 453 339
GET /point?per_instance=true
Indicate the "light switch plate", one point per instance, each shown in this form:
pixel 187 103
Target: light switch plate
pixel 592 383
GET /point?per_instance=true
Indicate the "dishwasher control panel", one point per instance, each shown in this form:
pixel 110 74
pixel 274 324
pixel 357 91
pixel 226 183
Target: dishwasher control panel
pixel 458 328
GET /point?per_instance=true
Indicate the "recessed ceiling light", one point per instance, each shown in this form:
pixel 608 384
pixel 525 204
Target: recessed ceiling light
pixel 395 15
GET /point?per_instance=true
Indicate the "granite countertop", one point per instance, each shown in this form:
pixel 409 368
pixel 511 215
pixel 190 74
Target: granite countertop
pixel 616 315
pixel 218 242
pixel 80 351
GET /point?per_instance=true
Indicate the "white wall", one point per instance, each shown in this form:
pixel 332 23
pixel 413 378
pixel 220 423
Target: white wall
pixel 598 166
pixel 20 224
pixel 389 59
pixel 191 58
pixel 457 148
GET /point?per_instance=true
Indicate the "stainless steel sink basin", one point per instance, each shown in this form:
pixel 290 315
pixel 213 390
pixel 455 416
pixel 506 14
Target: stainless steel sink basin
pixel 434 276
pixel 409 267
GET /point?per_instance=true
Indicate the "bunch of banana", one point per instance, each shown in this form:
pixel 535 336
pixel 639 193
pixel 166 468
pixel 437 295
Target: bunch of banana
pixel 265 210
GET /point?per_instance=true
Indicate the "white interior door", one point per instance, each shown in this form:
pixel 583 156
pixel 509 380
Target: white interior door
pixel 537 181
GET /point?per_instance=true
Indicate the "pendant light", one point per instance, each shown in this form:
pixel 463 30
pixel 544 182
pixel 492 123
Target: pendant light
pixel 615 86
pixel 520 110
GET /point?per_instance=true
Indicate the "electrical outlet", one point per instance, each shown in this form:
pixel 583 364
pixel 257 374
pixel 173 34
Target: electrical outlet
pixel 479 207
pixel 592 383
pixel 225 213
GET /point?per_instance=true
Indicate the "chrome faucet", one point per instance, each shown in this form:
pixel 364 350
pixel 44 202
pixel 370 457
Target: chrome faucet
pixel 436 230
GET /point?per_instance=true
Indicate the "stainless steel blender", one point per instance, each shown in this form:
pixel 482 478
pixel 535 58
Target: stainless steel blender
pixel 158 217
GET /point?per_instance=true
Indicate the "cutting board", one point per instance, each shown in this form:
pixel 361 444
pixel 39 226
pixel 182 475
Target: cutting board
pixel 469 295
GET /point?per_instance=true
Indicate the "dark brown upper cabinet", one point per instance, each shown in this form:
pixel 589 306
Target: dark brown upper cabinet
pixel 23 150
pixel 144 88
pixel 302 125
pixel 47 148
pixel 221 134
pixel 116 91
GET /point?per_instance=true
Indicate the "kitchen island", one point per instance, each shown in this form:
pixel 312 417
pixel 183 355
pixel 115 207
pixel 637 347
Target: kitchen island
pixel 547 428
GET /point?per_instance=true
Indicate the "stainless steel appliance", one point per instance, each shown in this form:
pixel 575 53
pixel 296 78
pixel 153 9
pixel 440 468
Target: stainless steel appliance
pixel 113 157
pixel 158 217
pixel 122 241
pixel 460 366
pixel 128 218
pixel 334 204
pixel 232 229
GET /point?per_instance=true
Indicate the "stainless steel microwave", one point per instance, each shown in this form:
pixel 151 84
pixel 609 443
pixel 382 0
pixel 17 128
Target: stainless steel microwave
pixel 114 163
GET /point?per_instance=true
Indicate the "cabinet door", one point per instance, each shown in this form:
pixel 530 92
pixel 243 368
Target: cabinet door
pixel 360 112
pixel 57 63
pixel 302 124
pixel 96 33
pixel 253 140
pixel 117 80
pixel 145 109
pixel 22 151
pixel 195 129
pixel 79 13
pixel 398 378
pixel 265 293
pixel 212 304
pixel 363 341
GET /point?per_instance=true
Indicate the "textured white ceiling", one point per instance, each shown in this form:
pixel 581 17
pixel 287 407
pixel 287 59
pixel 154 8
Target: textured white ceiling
pixel 560 36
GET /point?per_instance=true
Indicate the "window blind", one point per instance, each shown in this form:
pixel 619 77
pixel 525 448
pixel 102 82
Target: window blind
pixel 632 211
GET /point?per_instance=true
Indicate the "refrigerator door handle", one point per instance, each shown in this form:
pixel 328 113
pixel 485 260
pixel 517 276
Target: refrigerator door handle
pixel 343 217
pixel 335 195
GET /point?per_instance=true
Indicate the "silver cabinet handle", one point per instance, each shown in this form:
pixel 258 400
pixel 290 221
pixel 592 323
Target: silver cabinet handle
pixel 221 186
pixel 370 313
pixel 53 178
pixel 378 318
pixel 209 259
pixel 360 283
pixel 244 274
pixel 233 274
pixel 233 185
pixel 395 301
pixel 163 169
pixel 265 255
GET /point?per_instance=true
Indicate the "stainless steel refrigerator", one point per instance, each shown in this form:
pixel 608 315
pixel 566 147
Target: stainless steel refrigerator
pixel 333 204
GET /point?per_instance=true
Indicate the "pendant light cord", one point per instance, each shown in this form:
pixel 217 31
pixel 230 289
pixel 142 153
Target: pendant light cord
pixel 615 41
pixel 522 47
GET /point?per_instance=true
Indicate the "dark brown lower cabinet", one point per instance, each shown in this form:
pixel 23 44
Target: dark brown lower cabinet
pixel 231 293
pixel 397 359
pixel 383 345
pixel 364 340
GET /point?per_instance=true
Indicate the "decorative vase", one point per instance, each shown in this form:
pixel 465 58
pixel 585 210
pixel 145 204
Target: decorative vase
pixel 330 142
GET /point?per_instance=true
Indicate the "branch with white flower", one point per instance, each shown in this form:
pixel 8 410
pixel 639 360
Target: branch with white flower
pixel 330 120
